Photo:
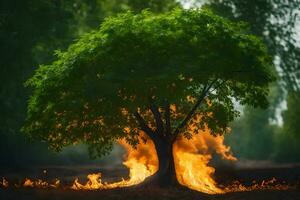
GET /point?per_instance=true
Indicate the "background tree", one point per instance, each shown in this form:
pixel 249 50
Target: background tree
pixel 124 77
pixel 253 134
pixel 288 138
pixel 27 27
pixel 275 22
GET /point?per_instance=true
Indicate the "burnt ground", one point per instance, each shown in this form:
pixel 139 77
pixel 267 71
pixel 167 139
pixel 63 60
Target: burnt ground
pixel 224 175
pixel 132 194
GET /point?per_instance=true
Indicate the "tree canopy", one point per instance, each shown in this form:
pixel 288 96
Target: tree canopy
pixel 89 94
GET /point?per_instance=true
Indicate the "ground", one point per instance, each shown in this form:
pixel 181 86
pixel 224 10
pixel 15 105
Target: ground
pixel 224 175
pixel 133 194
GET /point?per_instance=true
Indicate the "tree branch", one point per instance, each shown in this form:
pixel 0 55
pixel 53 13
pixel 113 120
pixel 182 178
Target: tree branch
pixel 217 87
pixel 168 118
pixel 144 127
pixel 204 93
pixel 157 117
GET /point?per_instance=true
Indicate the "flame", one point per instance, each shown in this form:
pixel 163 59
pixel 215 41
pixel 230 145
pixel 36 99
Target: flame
pixel 141 162
pixel 40 183
pixel 192 157
pixel 271 184
pixel 93 183
pixel 28 183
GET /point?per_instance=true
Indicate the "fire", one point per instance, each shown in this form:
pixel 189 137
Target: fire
pixel 271 184
pixel 192 157
pixel 28 183
pixel 93 183
pixel 141 162
pixel 40 183
pixel 191 162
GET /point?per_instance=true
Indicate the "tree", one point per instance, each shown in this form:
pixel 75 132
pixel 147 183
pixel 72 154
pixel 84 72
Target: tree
pixel 291 123
pixel 131 74
pixel 288 138
pixel 30 30
pixel 252 135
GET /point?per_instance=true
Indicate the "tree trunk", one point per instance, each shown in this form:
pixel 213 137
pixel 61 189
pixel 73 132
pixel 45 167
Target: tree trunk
pixel 163 140
pixel 166 174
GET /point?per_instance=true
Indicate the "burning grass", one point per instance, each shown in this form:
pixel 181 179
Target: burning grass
pixel 141 194
pixel 192 159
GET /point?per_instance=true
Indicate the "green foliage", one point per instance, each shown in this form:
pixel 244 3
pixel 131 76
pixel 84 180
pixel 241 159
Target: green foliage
pixel 252 136
pixel 288 139
pixel 291 115
pixel 29 32
pixel 90 92
pixel 275 22
pixel 254 133
pixel 89 13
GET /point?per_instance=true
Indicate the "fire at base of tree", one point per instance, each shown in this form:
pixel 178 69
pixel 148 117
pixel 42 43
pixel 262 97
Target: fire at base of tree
pixel 191 164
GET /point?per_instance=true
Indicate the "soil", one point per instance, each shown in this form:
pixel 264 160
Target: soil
pixel 224 175
pixel 138 194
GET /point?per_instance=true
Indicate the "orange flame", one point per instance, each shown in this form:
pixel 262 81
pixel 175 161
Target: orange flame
pixel 40 183
pixel 28 183
pixel 192 157
pixel 272 184
pixel 141 162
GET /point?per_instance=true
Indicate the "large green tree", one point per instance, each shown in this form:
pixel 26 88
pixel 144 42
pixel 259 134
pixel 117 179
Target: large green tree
pixel 122 79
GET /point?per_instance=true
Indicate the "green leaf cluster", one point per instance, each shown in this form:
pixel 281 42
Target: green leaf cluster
pixel 88 94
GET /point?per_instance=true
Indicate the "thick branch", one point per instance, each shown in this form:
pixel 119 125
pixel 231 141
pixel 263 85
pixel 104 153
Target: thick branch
pixel 168 118
pixel 157 117
pixel 217 87
pixel 204 93
pixel 144 127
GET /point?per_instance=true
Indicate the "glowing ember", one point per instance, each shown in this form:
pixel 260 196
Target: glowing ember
pixel 4 183
pixel 264 185
pixel 40 183
pixel 28 183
